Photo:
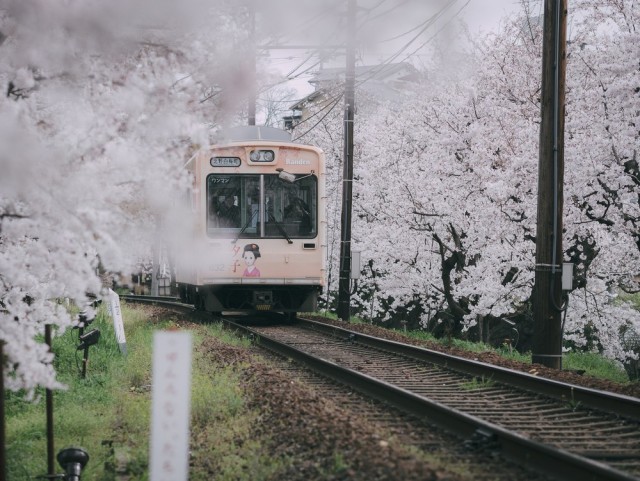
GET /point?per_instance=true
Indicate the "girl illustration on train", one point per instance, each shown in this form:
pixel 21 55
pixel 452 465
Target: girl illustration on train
pixel 250 254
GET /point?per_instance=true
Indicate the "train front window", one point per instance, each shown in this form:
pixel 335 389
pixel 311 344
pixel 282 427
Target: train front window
pixel 261 206
pixel 232 202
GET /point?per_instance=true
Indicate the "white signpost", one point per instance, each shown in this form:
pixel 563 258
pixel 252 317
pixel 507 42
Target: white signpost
pixel 170 406
pixel 116 315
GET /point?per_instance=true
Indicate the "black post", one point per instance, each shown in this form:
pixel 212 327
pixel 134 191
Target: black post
pixel 344 291
pixel 85 361
pixel 3 442
pixel 252 63
pixel 547 292
pixel 51 468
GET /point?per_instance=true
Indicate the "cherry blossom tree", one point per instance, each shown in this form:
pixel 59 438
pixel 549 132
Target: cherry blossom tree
pixel 446 183
pixel 102 102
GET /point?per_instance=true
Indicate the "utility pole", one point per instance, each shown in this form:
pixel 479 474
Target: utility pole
pixel 51 465
pixel 3 449
pixel 252 63
pixel 547 292
pixel 344 289
pixel 155 268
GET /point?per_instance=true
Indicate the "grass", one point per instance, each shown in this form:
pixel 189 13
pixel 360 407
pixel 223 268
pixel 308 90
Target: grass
pixel 477 383
pixel 82 413
pixel 108 413
pixel 334 317
pixel 592 364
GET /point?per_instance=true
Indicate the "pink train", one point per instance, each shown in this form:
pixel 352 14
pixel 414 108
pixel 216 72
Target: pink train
pixel 259 201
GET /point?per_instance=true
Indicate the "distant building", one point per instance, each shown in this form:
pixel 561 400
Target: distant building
pixel 384 82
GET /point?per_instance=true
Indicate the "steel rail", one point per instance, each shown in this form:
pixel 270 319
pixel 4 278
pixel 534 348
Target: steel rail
pixel 618 404
pixel 543 458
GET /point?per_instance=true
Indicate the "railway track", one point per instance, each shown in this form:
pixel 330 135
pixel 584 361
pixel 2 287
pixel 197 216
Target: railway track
pixel 553 432
pixel 444 451
pixel 561 430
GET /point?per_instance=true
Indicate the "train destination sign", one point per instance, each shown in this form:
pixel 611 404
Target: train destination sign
pixel 225 161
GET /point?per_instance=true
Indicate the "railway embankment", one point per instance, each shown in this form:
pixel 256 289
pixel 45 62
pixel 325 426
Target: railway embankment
pixel 254 416
pixel 492 357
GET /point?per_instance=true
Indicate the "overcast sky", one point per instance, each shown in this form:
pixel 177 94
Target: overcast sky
pixel 485 15
pixel 383 21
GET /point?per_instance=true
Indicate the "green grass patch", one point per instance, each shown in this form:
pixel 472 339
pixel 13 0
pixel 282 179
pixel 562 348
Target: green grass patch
pixel 228 337
pixel 334 317
pixel 595 365
pixel 82 413
pixel 108 413
pixel 477 383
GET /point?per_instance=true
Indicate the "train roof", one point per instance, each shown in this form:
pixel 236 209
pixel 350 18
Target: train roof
pixel 246 133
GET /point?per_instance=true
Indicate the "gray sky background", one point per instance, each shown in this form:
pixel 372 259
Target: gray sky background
pixel 385 20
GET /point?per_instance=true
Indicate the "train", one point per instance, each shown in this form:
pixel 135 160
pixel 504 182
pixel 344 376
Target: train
pixel 259 208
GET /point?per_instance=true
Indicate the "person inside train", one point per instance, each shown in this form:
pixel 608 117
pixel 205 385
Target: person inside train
pixel 298 211
pixel 229 212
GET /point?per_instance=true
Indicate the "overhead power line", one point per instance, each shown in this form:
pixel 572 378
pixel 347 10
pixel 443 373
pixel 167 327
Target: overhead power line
pixel 425 25
pixel 333 106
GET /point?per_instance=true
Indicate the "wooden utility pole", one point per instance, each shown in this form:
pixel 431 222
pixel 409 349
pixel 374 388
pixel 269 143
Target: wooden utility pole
pixel 344 289
pixel 547 292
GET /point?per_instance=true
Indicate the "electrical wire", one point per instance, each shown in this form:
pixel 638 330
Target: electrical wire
pixel 437 32
pixel 402 2
pixel 320 120
pixel 337 96
pixel 301 29
pixel 371 73
pixel 304 26
pixel 426 24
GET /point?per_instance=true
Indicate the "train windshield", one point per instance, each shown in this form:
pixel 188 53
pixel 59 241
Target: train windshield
pixel 262 206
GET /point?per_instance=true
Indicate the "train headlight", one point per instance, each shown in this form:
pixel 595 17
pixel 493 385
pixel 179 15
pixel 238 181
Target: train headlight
pixel 262 156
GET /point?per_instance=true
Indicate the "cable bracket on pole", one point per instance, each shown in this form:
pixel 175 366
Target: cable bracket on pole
pixel 547 267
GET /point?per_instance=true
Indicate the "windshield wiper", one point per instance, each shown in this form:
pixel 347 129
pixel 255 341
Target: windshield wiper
pixel 271 217
pixel 280 228
pixel 244 227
